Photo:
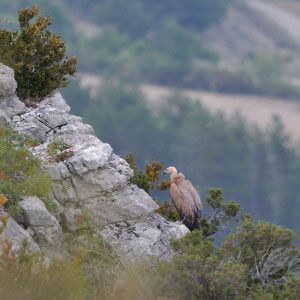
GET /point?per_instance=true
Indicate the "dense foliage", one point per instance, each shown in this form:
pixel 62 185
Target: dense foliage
pixel 35 54
pixel 20 171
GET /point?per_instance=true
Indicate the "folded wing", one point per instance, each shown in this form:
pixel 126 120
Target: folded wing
pixel 188 203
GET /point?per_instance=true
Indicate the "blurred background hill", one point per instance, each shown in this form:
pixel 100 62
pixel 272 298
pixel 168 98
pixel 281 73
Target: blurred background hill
pixel 212 87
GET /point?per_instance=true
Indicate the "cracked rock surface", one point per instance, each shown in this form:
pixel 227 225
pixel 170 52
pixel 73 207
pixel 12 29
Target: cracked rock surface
pixel 15 234
pixel 43 225
pixel 91 181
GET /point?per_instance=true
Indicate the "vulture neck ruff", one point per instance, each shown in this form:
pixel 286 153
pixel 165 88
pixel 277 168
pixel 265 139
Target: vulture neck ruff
pixel 177 178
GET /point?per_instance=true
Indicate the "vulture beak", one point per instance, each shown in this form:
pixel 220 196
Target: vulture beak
pixel 165 172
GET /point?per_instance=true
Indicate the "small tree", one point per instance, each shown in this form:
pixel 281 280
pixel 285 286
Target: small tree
pixel 144 179
pixel 35 54
pixel 222 213
pixel 268 251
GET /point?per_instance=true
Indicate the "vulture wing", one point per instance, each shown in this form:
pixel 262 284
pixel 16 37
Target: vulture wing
pixel 182 205
pixel 188 203
pixel 196 197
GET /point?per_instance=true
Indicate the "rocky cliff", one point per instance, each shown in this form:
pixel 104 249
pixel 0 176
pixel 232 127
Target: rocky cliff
pixel 92 182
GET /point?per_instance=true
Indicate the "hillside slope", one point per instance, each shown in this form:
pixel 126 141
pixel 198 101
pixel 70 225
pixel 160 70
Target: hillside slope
pixel 258 26
pixel 256 110
pixel 233 42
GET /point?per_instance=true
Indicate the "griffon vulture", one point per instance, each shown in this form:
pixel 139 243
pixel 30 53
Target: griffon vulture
pixel 185 198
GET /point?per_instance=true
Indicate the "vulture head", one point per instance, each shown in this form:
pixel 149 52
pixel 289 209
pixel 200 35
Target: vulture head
pixel 172 171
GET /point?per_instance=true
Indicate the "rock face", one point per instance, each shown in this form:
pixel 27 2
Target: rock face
pixel 40 221
pixel 89 181
pixel 15 234
pixel 148 235
pixel 8 85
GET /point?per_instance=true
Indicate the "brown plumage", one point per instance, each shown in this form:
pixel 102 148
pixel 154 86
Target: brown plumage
pixel 185 199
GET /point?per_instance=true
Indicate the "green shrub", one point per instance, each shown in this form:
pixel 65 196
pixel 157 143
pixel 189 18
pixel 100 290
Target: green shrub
pixel 35 54
pixel 58 150
pixel 139 177
pixel 20 171
pixel 144 179
pixel 221 215
pixel 267 250
pixel 167 210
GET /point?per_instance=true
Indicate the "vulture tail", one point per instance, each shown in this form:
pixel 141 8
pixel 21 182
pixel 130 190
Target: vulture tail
pixel 196 224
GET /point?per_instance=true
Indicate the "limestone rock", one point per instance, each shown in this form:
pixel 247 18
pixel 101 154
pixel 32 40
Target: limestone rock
pixel 11 105
pixel 8 84
pixel 57 171
pixel 146 236
pixel 44 225
pixel 33 127
pixel 121 205
pixel 55 100
pixel 4 119
pixel 97 183
pixel 89 155
pixel 64 192
pixel 15 234
pixel 9 102
pixel 73 219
